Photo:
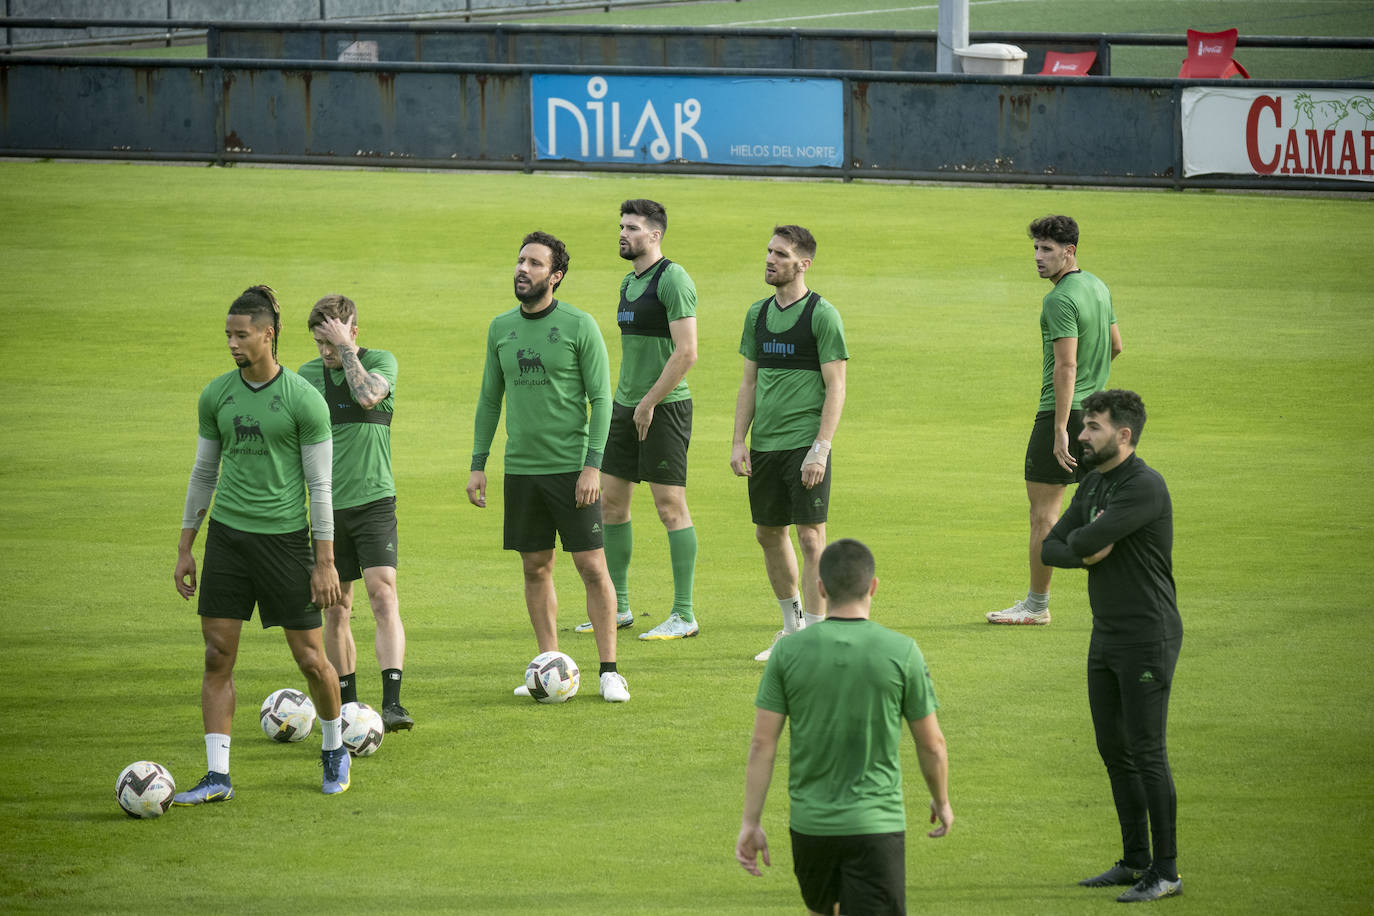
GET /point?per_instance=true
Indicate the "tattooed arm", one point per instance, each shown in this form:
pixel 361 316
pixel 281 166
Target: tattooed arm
pixel 368 388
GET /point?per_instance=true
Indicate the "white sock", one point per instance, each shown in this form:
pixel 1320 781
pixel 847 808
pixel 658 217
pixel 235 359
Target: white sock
pixel 331 732
pixel 814 618
pixel 792 617
pixel 217 752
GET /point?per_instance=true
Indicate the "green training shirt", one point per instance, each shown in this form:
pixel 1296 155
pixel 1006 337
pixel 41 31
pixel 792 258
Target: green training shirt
pixel 787 402
pixel 362 451
pixel 1080 305
pixel 848 688
pixel 642 357
pixel 261 485
pixel 548 367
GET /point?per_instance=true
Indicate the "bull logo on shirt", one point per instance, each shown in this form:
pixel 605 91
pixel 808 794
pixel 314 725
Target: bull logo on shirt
pixel 529 361
pixel 246 429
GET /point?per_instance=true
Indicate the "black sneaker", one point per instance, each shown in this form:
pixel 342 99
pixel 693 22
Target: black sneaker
pixel 1153 886
pixel 1118 875
pixel 395 718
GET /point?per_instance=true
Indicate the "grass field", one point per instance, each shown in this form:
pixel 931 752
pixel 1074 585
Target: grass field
pixel 1247 329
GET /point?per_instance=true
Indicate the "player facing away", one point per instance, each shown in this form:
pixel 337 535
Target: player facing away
pixel 651 414
pixel 847 684
pixel 264 444
pixel 1120 525
pixel 359 385
pixel 548 361
pixel 789 407
pixel 1079 339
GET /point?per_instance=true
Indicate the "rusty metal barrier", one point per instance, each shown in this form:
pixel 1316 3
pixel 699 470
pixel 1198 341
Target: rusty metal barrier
pixel 1025 129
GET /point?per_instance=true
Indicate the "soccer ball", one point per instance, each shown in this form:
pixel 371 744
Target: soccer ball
pixel 145 789
pixel 552 677
pixel 287 715
pixel 362 729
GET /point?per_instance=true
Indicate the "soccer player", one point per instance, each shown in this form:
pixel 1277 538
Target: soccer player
pixel 848 684
pixel 359 385
pixel 264 439
pixel 651 417
pixel 1079 339
pixel 792 395
pixel 1120 525
pixel 548 360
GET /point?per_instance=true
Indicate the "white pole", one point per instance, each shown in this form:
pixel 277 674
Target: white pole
pixel 951 32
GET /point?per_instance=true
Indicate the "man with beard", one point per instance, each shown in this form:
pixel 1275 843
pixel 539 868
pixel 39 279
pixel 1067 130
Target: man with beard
pixel 792 395
pixel 651 418
pixel 548 360
pixel 1120 526
pixel 1078 341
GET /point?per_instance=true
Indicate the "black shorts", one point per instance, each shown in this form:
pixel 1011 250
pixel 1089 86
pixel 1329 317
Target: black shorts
pixel 270 570
pixel 865 874
pixel 538 505
pixel 364 537
pixel 662 456
pixel 1041 466
pixel 776 495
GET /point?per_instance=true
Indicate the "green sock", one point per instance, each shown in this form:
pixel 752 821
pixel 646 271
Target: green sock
pixel 682 550
pixel 619 542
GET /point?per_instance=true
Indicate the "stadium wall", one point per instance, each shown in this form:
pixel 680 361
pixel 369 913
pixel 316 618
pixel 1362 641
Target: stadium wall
pixel 1027 129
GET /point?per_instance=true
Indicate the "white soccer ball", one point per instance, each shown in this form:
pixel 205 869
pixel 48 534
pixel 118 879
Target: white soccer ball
pixel 552 677
pixel 287 715
pixel 145 789
pixel 362 729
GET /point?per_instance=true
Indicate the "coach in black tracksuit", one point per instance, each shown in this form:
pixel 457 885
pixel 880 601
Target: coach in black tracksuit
pixel 1120 526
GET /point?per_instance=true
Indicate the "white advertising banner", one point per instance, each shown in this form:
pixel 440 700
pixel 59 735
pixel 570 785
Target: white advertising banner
pixel 1313 133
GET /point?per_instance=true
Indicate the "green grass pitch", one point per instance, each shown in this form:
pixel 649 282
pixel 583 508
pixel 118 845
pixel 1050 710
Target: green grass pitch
pixel 1247 329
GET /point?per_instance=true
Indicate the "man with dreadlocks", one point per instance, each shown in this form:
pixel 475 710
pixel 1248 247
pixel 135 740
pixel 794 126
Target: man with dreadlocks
pixel 264 438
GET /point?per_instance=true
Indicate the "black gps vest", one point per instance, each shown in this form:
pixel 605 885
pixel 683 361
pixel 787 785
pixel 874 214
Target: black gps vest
pixel 794 348
pixel 342 407
pixel 645 316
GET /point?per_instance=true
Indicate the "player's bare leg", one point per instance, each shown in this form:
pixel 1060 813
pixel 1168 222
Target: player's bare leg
pixel 322 680
pixel 540 599
pixel 217 686
pixel 812 541
pixel 1046 501
pixel 390 643
pixel 338 642
pixel 591 566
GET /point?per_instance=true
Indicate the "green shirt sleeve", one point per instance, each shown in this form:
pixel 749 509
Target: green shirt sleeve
pixel 828 327
pixel 748 345
pixel 1061 315
pixel 596 379
pixel 678 293
pixel 207 427
pixel 488 404
pixel 313 423
pixel 918 697
pixel 770 694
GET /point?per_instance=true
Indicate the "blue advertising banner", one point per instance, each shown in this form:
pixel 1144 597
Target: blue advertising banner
pixel 717 119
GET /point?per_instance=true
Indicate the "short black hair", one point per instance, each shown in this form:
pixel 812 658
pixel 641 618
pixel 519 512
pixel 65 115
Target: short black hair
pixel 846 570
pixel 651 210
pixel 1124 407
pixel 558 249
pixel 1061 229
pixel 259 303
pixel 800 237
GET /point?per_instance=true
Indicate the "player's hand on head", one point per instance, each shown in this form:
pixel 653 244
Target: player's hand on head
pixel 335 331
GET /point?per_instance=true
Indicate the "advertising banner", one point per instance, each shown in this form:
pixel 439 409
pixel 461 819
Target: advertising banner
pixel 715 119
pixel 1315 133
